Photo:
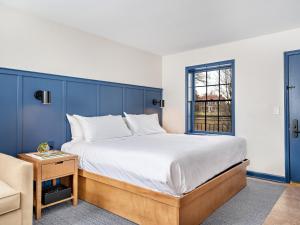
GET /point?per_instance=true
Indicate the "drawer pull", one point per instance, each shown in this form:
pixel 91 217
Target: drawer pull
pixel 59 162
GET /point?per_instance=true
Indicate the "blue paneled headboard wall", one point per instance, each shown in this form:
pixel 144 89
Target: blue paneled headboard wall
pixel 25 122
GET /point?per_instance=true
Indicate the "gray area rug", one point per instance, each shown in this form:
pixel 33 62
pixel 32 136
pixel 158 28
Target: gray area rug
pixel 249 207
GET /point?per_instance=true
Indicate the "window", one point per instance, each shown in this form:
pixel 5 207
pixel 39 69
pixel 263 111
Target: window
pixel 210 98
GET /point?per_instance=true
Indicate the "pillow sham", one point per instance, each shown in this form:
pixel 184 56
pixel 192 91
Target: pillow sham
pixel 103 127
pixel 76 130
pixel 144 124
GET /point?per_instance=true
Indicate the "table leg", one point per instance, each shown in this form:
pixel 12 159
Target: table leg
pixel 75 187
pixel 38 192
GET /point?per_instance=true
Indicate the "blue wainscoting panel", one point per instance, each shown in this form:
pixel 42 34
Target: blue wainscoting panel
pixel 25 122
pixel 134 101
pixel 81 99
pixel 8 114
pixel 149 107
pixel 111 100
pixel 42 122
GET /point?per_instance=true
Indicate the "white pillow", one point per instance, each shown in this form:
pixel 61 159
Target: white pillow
pixel 76 130
pixel 144 124
pixel 103 127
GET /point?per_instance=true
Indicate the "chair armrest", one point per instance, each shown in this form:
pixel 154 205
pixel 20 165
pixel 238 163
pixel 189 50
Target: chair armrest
pixel 19 175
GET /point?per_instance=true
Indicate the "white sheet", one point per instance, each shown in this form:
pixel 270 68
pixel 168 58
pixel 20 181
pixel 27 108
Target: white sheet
pixel 169 163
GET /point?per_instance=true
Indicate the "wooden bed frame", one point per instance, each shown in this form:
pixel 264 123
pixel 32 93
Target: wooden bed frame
pixel 147 207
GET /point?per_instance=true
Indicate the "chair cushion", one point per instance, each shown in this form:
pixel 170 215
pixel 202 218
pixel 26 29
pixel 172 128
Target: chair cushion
pixel 9 198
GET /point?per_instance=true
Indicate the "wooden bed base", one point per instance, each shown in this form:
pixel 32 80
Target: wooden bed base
pixel 147 207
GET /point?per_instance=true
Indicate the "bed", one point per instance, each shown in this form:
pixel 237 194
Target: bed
pixel 161 178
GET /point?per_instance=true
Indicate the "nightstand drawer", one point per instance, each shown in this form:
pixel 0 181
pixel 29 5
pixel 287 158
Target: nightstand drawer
pixel 57 169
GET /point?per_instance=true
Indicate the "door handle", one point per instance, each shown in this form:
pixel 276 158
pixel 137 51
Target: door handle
pixel 295 128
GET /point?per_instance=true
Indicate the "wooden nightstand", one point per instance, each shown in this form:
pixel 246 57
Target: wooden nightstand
pixel 64 167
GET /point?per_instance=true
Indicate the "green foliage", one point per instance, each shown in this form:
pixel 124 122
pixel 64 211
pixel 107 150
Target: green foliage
pixel 43 147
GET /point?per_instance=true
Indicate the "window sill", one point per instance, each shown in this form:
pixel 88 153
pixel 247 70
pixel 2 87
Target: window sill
pixel 208 133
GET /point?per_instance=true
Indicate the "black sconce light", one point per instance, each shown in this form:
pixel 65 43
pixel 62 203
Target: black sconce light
pixel 43 96
pixel 160 102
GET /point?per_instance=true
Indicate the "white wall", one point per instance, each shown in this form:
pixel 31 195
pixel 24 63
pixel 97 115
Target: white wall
pixel 31 43
pixel 259 88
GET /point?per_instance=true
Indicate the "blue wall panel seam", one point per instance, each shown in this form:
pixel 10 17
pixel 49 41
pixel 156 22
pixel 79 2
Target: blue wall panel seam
pixel 19 114
pixel 98 103
pixel 123 101
pixel 144 100
pixel 64 109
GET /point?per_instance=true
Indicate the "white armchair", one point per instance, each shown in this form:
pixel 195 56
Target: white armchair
pixel 16 191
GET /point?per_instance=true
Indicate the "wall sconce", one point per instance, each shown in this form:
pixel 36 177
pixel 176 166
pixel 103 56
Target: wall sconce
pixel 160 102
pixel 43 96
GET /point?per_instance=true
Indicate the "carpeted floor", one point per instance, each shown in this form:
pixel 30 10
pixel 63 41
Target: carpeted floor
pixel 249 207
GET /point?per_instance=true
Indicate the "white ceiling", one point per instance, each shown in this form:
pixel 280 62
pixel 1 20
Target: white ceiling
pixel 169 26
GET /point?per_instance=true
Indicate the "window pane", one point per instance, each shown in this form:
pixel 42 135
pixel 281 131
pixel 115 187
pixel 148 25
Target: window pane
pixel 212 124
pixel 225 108
pixel 199 124
pixel 211 108
pixel 200 79
pixel 212 92
pixel 225 76
pixel 225 124
pixel 225 92
pixel 200 93
pixel 213 77
pixel 199 109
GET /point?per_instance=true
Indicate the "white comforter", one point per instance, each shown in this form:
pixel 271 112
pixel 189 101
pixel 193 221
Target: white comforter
pixel 169 163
